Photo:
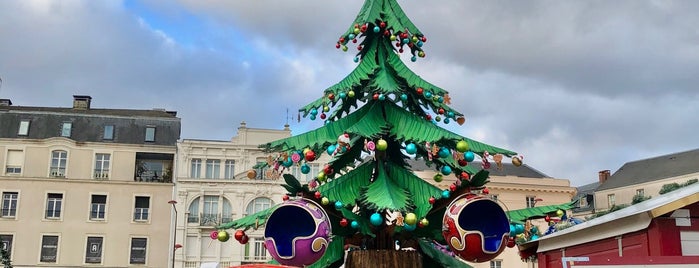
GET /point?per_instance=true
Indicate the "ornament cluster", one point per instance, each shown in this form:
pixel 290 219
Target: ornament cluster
pixel 381 29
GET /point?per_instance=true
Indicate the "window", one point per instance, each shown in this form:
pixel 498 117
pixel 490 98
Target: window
pixel 53 205
pixel 196 168
pixel 108 132
pixel 583 201
pixel 193 211
pixel 141 208
pixel 229 169
pixel 531 201
pixel 640 192
pixel 102 166
pixel 213 169
pixel 496 264
pixel 9 204
pixel 255 250
pixel 6 243
pixel 58 163
pixel 66 127
pixel 611 200
pixel 98 206
pixel 15 158
pixel 138 250
pixel 210 213
pixel 49 248
pixel 150 133
pixel 93 250
pixel 227 214
pixel 258 204
pixel 23 128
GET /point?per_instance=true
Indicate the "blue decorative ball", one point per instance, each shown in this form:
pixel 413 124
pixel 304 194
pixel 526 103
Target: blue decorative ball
pixel 338 205
pixel 313 117
pixel 376 219
pixel 404 97
pixel 446 120
pixel 446 170
pixel 413 59
pixel 428 94
pixel 305 169
pixel 534 237
pixel 314 112
pixel 354 225
pixel 405 41
pixel 410 148
pixel 449 114
pixel 288 162
pixel 446 194
pixel 331 149
pixel 440 99
pixel 377 29
pixel 419 43
pixel 469 156
pixel 344 95
pixel 409 227
pixel 351 36
pixel 356 59
pixel 444 152
pixel 382 97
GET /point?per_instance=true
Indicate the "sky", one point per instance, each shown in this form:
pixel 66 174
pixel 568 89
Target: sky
pixel 575 87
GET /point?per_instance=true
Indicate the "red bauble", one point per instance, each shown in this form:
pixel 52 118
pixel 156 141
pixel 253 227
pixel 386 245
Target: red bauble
pixel 363 29
pixel 403 35
pixel 285 197
pixel 432 200
pixel 342 40
pixel 398 44
pixel 420 91
pixel 337 45
pixel 428 117
pixel 343 222
pixel 323 116
pixel 317 195
pixel 548 218
pixel 452 187
pixel 382 24
pixel 511 242
pixel 400 50
pixel 354 40
pixel 410 45
pixel 462 162
pixel 419 224
pixel 376 96
pixel 440 111
pixel 331 96
pixel 244 240
pixel 465 176
pixel 386 33
pixel 328 170
pixel 359 47
pixel 239 235
pixel 486 191
pixel 310 155
pixel 424 39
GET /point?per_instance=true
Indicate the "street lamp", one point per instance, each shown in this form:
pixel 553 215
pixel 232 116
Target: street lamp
pixel 174 233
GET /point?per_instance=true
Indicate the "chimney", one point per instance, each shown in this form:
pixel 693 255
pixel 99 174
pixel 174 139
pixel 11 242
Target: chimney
pixel 5 102
pixel 603 175
pixel 81 102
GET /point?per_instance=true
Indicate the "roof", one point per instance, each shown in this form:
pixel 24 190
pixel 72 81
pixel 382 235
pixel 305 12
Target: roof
pixel 587 188
pixel 623 221
pixel 92 111
pixel 653 169
pixel 507 169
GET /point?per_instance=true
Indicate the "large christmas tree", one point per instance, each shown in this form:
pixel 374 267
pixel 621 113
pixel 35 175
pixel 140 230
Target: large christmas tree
pixel 378 120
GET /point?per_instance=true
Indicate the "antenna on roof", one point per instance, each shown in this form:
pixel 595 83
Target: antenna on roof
pixel 287 117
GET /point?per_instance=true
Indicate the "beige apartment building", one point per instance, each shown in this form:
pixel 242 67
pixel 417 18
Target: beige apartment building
pixel 86 187
pixel 645 177
pixel 213 187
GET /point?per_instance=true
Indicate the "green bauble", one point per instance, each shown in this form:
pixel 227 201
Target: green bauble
pixel 462 146
pixel 382 145
pixel 410 219
pixel 223 236
pixel 438 177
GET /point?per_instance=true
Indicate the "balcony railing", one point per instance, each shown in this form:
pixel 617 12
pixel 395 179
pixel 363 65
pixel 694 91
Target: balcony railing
pixel 57 172
pixel 101 174
pixel 209 219
pixel 206 219
pixel 197 264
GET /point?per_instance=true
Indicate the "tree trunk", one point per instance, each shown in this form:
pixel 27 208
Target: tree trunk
pixel 383 259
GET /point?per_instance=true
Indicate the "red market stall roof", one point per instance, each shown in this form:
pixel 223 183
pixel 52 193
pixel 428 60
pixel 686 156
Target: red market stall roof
pixel 633 218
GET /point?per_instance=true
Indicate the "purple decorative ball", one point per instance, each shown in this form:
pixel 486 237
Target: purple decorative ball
pixel 297 233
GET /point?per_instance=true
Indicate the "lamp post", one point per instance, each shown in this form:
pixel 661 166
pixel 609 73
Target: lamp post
pixel 174 232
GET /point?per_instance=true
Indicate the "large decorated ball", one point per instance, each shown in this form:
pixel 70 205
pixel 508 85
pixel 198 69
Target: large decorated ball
pixel 475 228
pixel 297 233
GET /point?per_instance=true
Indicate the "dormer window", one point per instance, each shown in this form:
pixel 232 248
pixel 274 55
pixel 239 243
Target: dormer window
pixel 23 128
pixel 150 133
pixel 66 128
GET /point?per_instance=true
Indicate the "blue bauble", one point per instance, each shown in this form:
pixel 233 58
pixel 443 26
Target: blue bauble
pixel 344 95
pixel 354 225
pixel 331 149
pixel 350 36
pixel 338 205
pixel 512 230
pixel 376 219
pixel 288 162
pixel 428 94
pixel 313 117
pixel 356 59
pixel 377 29
pixel 404 97
pixel 419 43
pixel 305 169
pixel 440 99
pixel 410 148
pixel 469 156
pixel 413 59
pixel 314 112
pixel 449 114
pixel 382 97
pixel 405 41
pixel 446 170
pixel 446 120
pixel 444 152
pixel 519 228
pixel 446 194
pixel 409 227
pixel 534 237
